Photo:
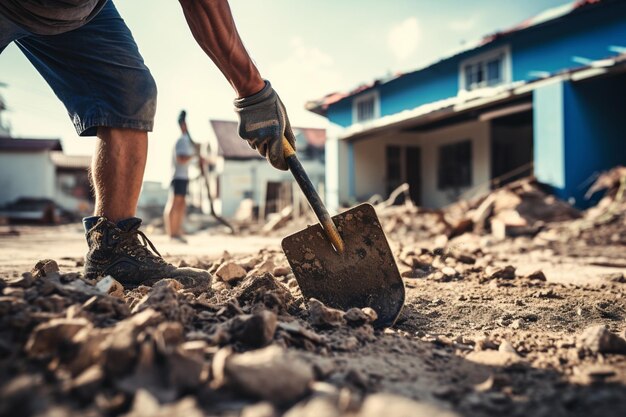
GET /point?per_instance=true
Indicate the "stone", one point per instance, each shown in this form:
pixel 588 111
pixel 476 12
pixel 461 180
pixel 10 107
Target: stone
pixel 615 277
pixel 449 271
pixel 537 276
pixel 108 285
pixel 317 406
pixel 23 281
pixel 230 271
pixel 266 290
pixel 281 271
pixel 493 357
pixel 494 272
pixel 260 409
pixel 322 316
pixel 507 347
pixel 384 404
pixel 146 405
pixel 270 374
pixel 255 330
pixel 48 337
pixel 598 339
pixel 88 383
pixel 45 267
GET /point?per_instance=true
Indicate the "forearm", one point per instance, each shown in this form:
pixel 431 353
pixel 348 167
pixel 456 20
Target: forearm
pixel 213 27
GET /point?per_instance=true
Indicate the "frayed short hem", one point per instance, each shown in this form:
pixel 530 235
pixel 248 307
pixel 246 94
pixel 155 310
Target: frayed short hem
pixel 90 127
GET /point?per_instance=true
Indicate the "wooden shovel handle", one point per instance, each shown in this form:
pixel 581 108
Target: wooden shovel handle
pixel 312 197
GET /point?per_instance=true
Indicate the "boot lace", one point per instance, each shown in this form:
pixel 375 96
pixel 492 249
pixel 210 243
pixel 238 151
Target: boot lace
pixel 136 243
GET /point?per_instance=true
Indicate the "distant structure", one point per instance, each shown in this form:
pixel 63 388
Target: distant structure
pixel 545 97
pixel 35 173
pixel 243 175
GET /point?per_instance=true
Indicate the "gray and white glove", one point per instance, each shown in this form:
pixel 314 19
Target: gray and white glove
pixel 263 122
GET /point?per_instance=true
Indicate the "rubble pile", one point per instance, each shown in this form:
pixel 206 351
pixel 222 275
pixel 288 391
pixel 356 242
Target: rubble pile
pixel 74 347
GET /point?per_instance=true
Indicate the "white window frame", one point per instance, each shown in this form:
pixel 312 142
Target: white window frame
pixel 366 97
pixel 507 68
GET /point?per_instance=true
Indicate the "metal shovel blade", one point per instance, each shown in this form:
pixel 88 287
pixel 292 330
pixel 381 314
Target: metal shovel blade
pixel 364 275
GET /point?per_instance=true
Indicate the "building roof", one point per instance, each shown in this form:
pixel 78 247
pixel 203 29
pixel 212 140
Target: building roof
pixel 29 145
pixel 231 146
pixel 480 99
pixel 320 106
pixel 61 160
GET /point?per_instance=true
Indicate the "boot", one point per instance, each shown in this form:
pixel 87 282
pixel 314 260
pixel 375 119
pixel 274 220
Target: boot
pixel 124 252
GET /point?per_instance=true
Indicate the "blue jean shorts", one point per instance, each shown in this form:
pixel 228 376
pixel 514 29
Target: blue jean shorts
pixel 95 70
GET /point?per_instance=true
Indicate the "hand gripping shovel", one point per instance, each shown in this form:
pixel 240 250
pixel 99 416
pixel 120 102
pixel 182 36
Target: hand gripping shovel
pixel 345 261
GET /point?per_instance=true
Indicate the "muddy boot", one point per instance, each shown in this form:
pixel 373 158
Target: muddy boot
pixel 124 252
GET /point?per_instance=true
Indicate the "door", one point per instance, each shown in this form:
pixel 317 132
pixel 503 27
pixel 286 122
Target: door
pixel 413 172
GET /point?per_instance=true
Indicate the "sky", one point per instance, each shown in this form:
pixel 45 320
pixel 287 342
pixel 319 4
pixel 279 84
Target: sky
pixel 307 49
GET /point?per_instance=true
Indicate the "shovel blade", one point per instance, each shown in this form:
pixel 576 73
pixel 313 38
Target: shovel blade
pixel 365 275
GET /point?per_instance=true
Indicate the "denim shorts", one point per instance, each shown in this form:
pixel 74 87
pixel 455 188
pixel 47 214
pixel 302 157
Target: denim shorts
pixel 95 70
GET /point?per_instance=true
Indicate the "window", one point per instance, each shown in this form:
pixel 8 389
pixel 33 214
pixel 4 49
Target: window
pixel 455 165
pixel 487 70
pixel 366 107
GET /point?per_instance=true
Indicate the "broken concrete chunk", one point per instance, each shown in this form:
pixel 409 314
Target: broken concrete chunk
pixel 507 272
pixel 270 374
pixel 230 271
pixel 383 404
pixel 88 383
pixel 598 339
pixel 507 347
pixel 47 337
pixel 108 285
pixel 23 281
pixel 45 267
pixel 255 330
pixel 281 271
pixel 322 316
pixel 537 276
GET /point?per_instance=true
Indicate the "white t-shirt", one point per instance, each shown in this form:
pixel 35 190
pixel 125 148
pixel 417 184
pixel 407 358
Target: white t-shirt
pixel 183 147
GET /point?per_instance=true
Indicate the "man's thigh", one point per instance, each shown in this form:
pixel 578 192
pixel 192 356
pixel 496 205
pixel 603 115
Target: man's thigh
pixel 9 32
pixel 98 73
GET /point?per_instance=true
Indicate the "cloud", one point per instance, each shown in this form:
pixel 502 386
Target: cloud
pixel 404 38
pixel 463 25
pixel 306 73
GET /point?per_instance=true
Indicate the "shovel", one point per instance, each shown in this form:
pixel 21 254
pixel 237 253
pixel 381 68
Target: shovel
pixel 344 261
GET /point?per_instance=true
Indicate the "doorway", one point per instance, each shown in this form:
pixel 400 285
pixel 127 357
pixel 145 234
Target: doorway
pixel 404 165
pixel 511 148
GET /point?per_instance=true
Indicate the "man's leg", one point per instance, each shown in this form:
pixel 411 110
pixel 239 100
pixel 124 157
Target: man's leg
pixel 117 171
pixel 181 210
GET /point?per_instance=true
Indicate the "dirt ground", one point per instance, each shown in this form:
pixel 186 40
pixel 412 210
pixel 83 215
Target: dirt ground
pixel 523 326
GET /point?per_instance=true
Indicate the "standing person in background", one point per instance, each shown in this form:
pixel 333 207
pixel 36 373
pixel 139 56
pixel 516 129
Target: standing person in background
pixel 176 208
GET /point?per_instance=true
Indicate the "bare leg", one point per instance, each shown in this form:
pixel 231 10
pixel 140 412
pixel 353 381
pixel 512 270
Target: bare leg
pixel 117 171
pixel 177 214
pixel 182 211
pixel 167 214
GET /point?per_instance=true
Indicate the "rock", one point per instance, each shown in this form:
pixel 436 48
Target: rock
pixel 45 267
pixel 23 281
pixel 266 290
pixel 322 316
pixel 108 285
pixel 359 316
pixel 48 337
pixel 317 406
pixel 254 330
pixel 146 405
pixel 230 271
pixel 598 339
pixel 281 271
pixel 88 383
pixel 261 409
pixel 449 271
pixel 270 374
pixel 507 272
pixel 493 357
pixel 537 276
pixel 383 404
pixel 598 373
pixel 507 347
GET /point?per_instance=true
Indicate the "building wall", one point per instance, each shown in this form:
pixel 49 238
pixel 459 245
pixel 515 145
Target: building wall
pixel 239 177
pixel 579 133
pixel 370 164
pixel 26 174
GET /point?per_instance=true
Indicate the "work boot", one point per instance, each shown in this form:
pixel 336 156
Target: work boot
pixel 124 252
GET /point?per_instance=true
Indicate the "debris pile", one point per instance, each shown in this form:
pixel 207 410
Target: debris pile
pixel 81 347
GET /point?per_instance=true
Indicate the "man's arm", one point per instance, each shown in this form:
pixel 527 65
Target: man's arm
pixel 212 24
pixel 263 120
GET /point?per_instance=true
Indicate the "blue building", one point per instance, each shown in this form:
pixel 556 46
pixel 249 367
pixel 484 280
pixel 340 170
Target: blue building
pixel 547 98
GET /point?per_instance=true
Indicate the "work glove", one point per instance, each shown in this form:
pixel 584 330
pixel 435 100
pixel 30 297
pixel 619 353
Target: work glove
pixel 263 122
